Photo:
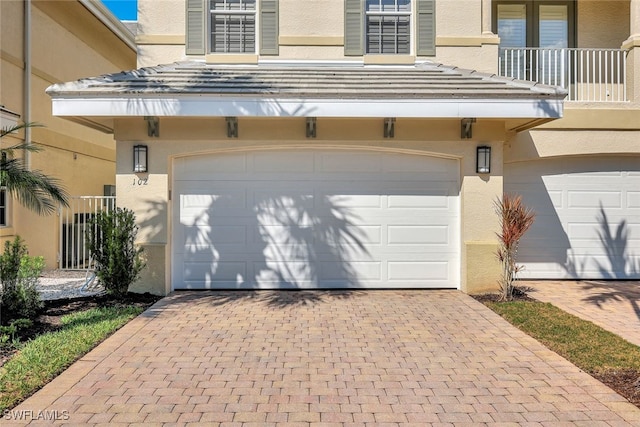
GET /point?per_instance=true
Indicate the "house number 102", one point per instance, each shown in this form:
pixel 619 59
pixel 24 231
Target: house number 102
pixel 140 181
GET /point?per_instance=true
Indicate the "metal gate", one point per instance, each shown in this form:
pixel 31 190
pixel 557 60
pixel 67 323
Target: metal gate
pixel 74 224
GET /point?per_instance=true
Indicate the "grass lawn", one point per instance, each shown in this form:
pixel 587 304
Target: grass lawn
pixel 604 355
pixel 43 358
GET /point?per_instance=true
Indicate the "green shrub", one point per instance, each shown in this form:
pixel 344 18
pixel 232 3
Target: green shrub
pixel 30 269
pixel 10 263
pixel 111 242
pixel 8 334
pixel 19 273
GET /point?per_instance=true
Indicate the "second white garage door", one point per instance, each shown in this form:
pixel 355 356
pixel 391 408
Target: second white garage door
pixel 588 217
pixel 315 219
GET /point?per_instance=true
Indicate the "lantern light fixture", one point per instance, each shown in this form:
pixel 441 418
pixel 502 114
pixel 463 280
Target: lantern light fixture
pixel 483 159
pixel 140 158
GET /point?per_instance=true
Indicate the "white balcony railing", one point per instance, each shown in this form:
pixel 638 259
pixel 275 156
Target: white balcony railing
pixel 589 75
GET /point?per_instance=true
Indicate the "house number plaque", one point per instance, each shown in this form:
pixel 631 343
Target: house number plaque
pixel 140 181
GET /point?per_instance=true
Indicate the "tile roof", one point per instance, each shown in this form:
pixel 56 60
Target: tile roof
pixel 422 81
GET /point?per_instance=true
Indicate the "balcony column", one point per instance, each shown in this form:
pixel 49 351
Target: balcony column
pixel 633 59
pixel 634 16
pixel 490 41
pixel 486 17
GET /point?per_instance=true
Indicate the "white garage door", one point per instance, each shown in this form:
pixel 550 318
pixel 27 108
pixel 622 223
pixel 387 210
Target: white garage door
pixel 588 217
pixel 315 219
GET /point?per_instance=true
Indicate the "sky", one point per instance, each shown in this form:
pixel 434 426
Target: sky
pixel 126 10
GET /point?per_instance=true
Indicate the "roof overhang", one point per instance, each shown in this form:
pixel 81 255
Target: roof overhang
pixel 200 90
pixel 100 11
pixel 102 110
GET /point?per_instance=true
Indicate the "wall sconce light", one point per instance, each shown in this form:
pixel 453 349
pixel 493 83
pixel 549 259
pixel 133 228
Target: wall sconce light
pixel 389 127
pixel 465 128
pixel 311 127
pixel 153 126
pixel 483 159
pixel 232 127
pixel 140 159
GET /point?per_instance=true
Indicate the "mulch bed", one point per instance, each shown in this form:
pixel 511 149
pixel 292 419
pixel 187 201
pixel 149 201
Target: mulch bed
pixel 626 383
pixel 49 317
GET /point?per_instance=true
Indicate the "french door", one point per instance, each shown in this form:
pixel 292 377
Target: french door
pixel 534 36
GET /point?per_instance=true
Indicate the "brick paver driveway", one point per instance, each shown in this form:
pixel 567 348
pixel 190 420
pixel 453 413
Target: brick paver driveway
pixel 332 358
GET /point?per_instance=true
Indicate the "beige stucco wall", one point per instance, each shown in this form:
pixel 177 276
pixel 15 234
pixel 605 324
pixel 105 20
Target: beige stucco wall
pixel 68 43
pixel 314 30
pixel 161 31
pixel 311 18
pixel 584 131
pixel 161 17
pixel 471 57
pixel 458 17
pixel 589 130
pixel 541 144
pixel 150 55
pixel 602 23
pixel 148 194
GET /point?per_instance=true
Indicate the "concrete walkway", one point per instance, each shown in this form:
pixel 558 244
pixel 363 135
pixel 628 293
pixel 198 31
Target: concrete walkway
pixel 614 306
pixel 324 358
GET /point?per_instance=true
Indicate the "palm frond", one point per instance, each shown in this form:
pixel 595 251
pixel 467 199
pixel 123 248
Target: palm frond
pixel 33 147
pixel 32 188
pixel 16 128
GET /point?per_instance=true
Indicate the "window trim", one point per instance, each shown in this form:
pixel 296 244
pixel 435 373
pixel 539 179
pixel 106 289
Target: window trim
pixel 397 13
pixel 422 39
pixel 198 28
pixel 210 11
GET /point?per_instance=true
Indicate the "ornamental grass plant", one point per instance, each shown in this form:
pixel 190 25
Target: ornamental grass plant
pixel 515 220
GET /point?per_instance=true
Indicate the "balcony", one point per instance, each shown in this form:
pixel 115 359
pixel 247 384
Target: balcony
pixel 589 75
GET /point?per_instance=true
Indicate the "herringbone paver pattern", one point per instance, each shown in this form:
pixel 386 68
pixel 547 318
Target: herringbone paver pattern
pixel 612 305
pixel 326 359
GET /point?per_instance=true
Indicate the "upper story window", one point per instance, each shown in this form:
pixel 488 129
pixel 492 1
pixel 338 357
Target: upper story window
pixel 388 27
pixel 232 26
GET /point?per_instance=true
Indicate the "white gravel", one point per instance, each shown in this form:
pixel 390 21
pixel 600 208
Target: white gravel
pixel 56 284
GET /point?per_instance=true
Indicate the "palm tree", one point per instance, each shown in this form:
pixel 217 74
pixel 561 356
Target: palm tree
pixel 33 189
